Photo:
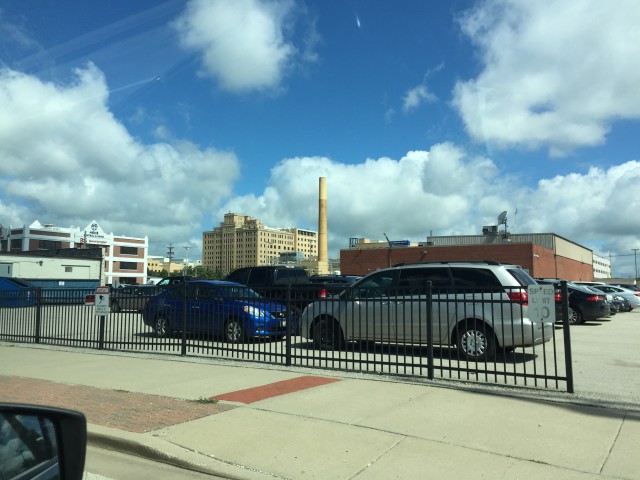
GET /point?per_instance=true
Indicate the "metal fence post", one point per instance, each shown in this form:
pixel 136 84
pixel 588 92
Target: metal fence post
pixel 430 366
pixel 38 313
pixel 567 336
pixel 287 360
pixel 102 328
pixel 183 346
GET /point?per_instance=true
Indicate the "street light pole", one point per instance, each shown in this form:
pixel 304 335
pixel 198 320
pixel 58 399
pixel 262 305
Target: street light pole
pixel 635 258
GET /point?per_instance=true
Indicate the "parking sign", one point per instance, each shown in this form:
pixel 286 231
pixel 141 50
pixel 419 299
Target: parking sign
pixel 101 304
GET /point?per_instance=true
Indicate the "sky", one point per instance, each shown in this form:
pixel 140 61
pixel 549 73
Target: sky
pixel 426 118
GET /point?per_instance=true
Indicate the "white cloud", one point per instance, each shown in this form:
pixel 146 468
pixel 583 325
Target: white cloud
pixel 406 198
pixel 67 160
pixel 447 192
pixel 555 74
pixel 243 43
pixel 416 97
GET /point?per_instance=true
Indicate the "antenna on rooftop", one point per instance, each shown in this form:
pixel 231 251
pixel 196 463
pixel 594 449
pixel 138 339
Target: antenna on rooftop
pixel 502 220
pixel 388 241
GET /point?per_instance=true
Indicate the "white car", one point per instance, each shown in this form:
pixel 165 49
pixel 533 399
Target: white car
pixel 478 307
pixel 632 296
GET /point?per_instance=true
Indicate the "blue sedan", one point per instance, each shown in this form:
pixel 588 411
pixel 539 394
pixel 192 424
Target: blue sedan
pixel 216 308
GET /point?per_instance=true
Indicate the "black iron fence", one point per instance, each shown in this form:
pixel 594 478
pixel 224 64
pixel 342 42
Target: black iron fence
pixel 476 335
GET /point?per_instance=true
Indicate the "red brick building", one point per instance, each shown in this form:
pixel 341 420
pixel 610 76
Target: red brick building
pixel 542 255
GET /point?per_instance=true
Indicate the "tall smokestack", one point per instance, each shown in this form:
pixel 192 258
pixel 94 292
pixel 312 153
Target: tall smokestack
pixel 323 260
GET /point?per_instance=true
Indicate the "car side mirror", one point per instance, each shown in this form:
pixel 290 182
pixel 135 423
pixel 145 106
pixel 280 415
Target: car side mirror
pixel 41 442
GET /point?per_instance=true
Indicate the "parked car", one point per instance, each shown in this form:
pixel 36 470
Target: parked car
pixel 628 286
pixel 633 297
pixel 216 308
pixel 281 283
pixel 129 298
pixel 613 305
pixel 479 307
pixel 584 304
pixel 335 279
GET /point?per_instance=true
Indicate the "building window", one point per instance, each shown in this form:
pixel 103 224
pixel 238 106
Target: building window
pixel 128 266
pixel 16 244
pixel 49 245
pixel 68 269
pixel 129 250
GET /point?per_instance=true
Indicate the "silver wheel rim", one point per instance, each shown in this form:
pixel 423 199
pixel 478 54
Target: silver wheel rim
pixel 573 316
pixel 233 331
pixel 161 327
pixel 474 343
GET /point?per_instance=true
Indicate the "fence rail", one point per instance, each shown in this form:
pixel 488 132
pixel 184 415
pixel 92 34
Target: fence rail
pixel 473 336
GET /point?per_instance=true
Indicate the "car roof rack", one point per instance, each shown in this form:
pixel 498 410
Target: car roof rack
pixel 445 262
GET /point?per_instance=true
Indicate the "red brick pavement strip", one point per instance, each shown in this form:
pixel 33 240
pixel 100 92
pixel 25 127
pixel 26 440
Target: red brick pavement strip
pixel 283 387
pixel 133 412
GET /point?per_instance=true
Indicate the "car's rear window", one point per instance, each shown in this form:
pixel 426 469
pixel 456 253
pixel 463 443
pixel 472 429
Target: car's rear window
pixel 474 277
pixel 521 276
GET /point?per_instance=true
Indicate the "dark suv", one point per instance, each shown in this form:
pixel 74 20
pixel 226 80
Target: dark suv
pixel 476 306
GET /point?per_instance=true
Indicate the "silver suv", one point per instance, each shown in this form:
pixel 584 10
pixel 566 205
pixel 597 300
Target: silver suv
pixel 478 307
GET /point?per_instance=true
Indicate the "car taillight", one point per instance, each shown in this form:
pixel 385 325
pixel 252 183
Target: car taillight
pixel 519 296
pixel 595 298
pixel 323 293
pixel 558 297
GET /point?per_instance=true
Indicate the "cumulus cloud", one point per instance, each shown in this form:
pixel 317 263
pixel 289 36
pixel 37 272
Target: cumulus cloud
pixel 67 160
pixel 554 74
pixel 244 44
pixel 405 198
pixel 446 191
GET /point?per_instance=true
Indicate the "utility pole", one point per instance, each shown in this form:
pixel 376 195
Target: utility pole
pixel 170 255
pixel 635 258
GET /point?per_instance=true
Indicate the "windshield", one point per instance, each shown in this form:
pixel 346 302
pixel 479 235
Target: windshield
pixel 239 293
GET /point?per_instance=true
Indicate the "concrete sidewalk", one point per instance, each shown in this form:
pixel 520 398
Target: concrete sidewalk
pixel 251 422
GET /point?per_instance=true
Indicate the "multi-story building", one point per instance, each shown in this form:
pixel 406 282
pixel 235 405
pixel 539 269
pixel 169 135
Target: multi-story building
pixel 601 267
pixel 243 241
pixel 124 258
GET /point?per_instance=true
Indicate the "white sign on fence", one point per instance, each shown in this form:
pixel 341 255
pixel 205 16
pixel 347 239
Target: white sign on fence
pixel 101 304
pixel 542 303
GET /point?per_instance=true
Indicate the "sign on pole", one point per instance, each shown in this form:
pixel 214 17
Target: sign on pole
pixel 101 304
pixel 542 306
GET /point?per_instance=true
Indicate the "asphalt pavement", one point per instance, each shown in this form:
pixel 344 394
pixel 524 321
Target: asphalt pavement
pixel 249 421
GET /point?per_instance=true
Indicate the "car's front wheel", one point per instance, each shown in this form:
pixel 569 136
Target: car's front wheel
pixel 476 341
pixel 327 335
pixel 161 327
pixel 233 331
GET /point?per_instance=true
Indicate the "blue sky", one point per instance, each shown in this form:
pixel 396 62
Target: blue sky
pixel 156 118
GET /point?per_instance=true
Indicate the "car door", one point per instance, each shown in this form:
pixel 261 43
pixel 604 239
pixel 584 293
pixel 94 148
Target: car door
pixel 207 311
pixel 479 294
pixel 371 313
pixel 412 303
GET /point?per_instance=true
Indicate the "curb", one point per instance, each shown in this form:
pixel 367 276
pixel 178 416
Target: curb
pixel 157 450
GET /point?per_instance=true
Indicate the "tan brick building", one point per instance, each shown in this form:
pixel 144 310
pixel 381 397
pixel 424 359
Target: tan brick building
pixel 243 241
